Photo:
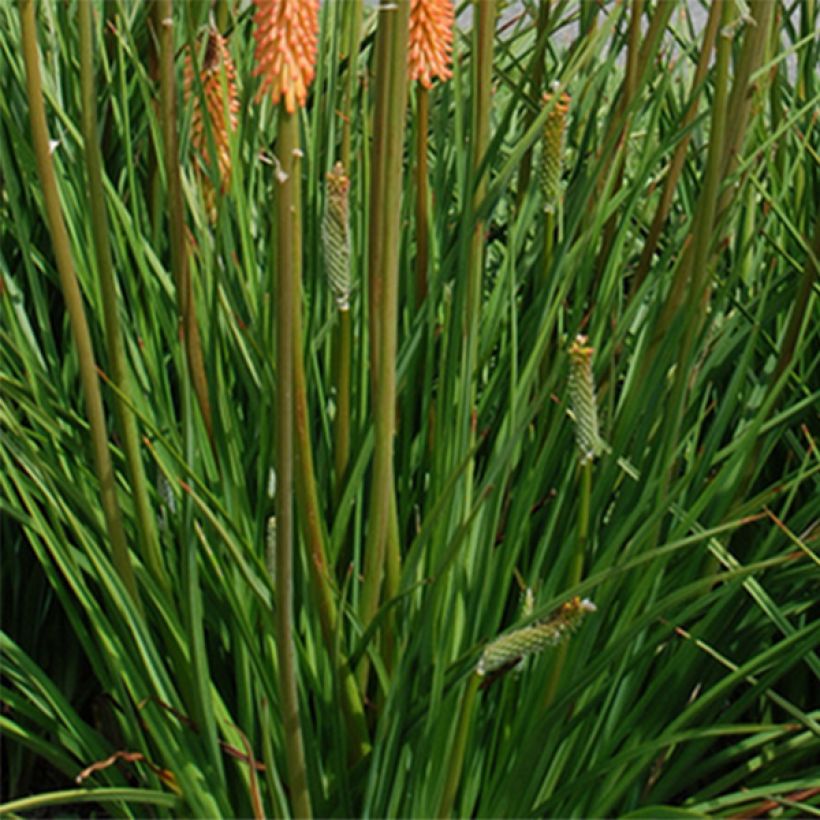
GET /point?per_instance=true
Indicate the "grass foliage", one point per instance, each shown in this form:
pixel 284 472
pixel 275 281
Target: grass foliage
pixel 695 683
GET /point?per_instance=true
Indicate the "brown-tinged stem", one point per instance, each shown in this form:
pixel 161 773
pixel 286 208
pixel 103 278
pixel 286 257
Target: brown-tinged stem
pixel 145 518
pixel 692 271
pixel 707 202
pixel 536 74
pixel 742 96
pixel 620 124
pixel 176 213
pixel 641 56
pixel 679 157
pixel 391 103
pixel 286 290
pixel 74 303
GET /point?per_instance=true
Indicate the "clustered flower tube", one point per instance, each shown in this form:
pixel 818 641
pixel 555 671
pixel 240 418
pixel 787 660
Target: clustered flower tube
pixel 286 39
pixel 431 40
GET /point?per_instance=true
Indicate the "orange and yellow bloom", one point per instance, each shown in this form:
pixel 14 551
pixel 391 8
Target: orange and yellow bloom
pixel 431 40
pixel 286 38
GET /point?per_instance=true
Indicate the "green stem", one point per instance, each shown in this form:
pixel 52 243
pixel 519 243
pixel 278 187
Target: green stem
pixel 342 348
pixel 176 213
pixel 543 279
pixel 342 343
pixel 286 289
pixel 743 95
pixel 693 270
pixel 146 520
pixel 391 102
pixel 484 34
pixel 310 517
pixel 222 14
pixel 549 244
pixel 456 765
pixel 353 26
pixel 74 303
pixel 422 192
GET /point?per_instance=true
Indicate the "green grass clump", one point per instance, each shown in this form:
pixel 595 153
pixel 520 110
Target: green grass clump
pixel 279 451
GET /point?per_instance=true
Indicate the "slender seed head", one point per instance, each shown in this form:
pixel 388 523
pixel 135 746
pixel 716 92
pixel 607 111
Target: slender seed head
pixel 552 150
pixel 218 78
pixel 336 235
pixel 431 40
pixel 522 643
pixel 582 398
pixel 286 37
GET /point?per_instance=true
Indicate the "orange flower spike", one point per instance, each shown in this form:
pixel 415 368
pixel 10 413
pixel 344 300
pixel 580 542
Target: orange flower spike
pixel 217 61
pixel 286 35
pixel 431 40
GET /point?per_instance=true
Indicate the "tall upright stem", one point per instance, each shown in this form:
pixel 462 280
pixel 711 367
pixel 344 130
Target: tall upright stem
pixel 343 335
pixel 74 303
pixel 176 213
pixel 693 271
pixel 484 34
pixel 391 102
pixel 310 519
pixel 146 521
pixel 422 192
pixel 286 289
pixel 670 183
pixel 536 75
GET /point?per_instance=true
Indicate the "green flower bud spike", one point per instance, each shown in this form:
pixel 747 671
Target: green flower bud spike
pixel 336 236
pixel 534 638
pixel 582 399
pixel 552 150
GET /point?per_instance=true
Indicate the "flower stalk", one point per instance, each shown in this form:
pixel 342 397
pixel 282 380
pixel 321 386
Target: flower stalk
pixel 383 264
pixel 536 79
pixel 286 290
pixel 286 33
pixel 126 419
pixel 512 648
pixel 588 441
pixel 343 332
pixel 336 242
pixel 484 36
pixel 74 304
pixel 335 235
pixel 176 214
